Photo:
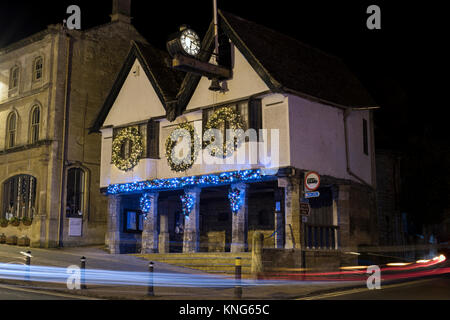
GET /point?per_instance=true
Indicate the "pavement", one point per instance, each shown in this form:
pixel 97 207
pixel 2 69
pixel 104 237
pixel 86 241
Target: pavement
pixel 99 259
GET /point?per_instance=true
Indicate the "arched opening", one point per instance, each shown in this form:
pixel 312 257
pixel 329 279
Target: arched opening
pixel 11 130
pixel 75 192
pixel 38 68
pixel 19 197
pixel 35 123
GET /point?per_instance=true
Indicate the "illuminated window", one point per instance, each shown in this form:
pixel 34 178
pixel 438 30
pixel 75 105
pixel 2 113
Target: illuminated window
pixel 19 194
pixel 38 68
pixel 134 221
pixel 11 130
pixel 35 124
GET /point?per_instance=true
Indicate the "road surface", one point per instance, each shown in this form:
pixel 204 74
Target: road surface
pixel 425 289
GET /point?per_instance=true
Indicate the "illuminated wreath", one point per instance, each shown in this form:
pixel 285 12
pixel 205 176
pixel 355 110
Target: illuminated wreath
pixel 182 165
pixel 223 117
pixel 137 148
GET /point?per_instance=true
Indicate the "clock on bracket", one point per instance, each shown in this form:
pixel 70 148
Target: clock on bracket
pixel 186 42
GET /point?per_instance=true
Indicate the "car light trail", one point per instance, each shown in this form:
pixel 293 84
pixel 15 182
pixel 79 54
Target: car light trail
pixel 126 278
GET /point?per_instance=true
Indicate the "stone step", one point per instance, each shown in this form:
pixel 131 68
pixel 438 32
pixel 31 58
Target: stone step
pixel 218 268
pixel 202 255
pixel 205 261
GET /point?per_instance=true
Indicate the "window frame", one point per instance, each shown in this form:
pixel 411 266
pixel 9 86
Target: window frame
pixel 8 143
pixel 83 207
pixel 12 185
pixel 138 214
pixel 32 140
pixel 14 70
pixel 35 70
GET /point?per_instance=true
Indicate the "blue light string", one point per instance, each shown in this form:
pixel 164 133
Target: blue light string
pixel 180 183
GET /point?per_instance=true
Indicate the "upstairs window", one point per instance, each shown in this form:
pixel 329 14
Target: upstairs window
pixel 35 124
pixel 11 130
pixel 38 68
pixel 14 78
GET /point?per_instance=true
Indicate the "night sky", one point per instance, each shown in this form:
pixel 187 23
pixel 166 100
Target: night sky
pixel 398 64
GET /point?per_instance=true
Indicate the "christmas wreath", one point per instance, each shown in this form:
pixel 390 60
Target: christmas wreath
pixel 230 120
pixel 180 163
pixel 133 135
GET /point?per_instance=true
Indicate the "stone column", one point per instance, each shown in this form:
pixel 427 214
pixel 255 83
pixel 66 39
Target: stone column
pixel 239 241
pixel 113 234
pixel 191 241
pixel 164 235
pixel 150 233
pixel 292 212
pixel 343 209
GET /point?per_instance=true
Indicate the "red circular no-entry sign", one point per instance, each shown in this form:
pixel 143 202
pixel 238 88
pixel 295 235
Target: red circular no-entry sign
pixel 312 181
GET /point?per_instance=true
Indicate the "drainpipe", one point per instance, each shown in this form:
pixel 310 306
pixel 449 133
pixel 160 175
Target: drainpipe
pixel 64 138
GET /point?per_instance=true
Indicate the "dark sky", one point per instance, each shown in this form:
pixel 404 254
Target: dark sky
pixel 396 64
pixel 402 65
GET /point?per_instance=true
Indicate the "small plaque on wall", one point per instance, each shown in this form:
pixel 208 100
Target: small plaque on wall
pixel 75 227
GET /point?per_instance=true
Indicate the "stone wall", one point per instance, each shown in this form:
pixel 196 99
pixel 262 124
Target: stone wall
pixel 274 259
pixel 94 57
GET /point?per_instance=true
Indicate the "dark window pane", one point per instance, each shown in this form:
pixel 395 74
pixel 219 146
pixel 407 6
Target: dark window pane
pixel 75 192
pixel 365 137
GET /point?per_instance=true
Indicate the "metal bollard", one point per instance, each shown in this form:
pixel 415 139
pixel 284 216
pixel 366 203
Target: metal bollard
pixel 238 277
pixel 83 273
pixel 28 264
pixel 151 291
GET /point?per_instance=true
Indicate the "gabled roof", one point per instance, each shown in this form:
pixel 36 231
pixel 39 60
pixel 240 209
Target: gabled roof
pixel 164 80
pixel 286 65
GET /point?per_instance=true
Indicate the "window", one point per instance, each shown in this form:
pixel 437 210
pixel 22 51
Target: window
pixel 75 192
pixel 14 78
pixel 250 112
pixel 126 149
pixel 134 221
pixel 365 138
pixel 19 193
pixel 11 130
pixel 35 124
pixel 38 68
pixel 153 128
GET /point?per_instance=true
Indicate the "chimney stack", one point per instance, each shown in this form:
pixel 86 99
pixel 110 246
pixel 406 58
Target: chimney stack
pixel 121 11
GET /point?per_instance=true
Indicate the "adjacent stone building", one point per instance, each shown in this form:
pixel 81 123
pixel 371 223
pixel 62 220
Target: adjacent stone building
pixel 51 87
pixel 319 118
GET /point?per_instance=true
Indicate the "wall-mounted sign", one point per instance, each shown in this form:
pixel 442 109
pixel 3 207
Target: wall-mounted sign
pixel 75 227
pixel 305 209
pixel 312 181
pixel 309 195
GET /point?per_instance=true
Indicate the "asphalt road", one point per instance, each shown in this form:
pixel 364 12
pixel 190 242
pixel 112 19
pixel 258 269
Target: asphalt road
pixel 12 293
pixel 427 289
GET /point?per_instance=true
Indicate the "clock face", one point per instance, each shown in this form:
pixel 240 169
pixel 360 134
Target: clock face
pixel 190 42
